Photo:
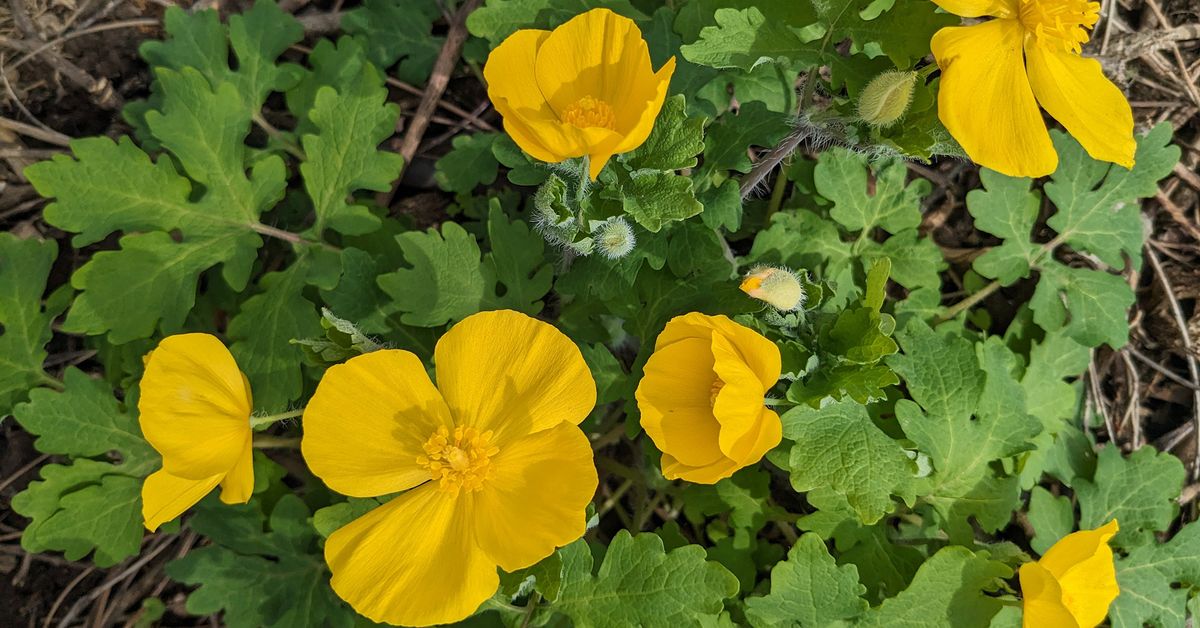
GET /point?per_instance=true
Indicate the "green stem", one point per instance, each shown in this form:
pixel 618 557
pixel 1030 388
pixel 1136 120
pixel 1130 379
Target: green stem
pixel 288 145
pixel 974 299
pixel 258 421
pixel 775 403
pixel 530 608
pixel 51 381
pixel 288 236
pixel 262 441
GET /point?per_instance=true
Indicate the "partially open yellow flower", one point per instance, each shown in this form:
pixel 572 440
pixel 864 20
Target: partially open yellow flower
pixel 585 88
pixel 701 397
pixel 494 468
pixel 996 73
pixel 1073 584
pixel 195 410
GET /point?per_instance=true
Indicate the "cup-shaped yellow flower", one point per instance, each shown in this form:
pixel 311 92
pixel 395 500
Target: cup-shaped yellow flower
pixel 1073 583
pixel 195 410
pixel 701 397
pixel 494 468
pixel 996 73
pixel 587 88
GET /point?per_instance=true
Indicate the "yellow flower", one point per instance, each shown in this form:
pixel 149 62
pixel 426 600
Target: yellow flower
pixel 584 89
pixel 494 468
pixel 996 73
pixel 1074 582
pixel 195 410
pixel 701 397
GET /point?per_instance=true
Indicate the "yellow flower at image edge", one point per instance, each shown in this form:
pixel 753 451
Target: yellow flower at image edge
pixel 495 469
pixel 585 88
pixel 996 73
pixel 1073 583
pixel 194 409
pixel 701 397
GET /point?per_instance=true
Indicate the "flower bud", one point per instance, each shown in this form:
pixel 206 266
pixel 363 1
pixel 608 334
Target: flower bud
pixel 614 238
pixel 886 98
pixel 779 287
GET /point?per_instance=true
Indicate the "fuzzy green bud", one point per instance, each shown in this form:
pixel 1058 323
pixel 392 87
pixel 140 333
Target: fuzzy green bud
pixel 614 238
pixel 885 100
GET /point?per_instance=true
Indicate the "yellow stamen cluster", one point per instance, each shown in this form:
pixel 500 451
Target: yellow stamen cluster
pixel 1063 24
pixel 590 112
pixel 459 460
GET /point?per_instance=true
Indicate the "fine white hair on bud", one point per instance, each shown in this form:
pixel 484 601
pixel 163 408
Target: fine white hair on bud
pixel 778 287
pixel 614 238
pixel 885 100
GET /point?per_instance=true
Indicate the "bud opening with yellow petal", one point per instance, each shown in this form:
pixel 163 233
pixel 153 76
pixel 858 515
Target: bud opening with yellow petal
pixel 778 287
pixel 585 89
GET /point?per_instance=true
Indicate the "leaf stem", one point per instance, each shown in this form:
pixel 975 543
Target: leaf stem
pixel 276 442
pixel 279 136
pixel 967 303
pixel 288 236
pixel 51 381
pixel 258 421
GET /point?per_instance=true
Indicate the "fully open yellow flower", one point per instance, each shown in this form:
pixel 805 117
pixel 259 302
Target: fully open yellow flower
pixel 996 73
pixel 585 88
pixel 1073 584
pixel 495 469
pixel 195 410
pixel 701 397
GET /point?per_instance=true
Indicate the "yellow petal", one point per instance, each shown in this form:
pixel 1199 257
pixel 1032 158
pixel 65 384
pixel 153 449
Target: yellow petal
pixel 979 8
pixel 365 426
pixel 1082 564
pixel 739 403
pixel 641 125
pixel 195 406
pixel 513 374
pixel 675 401
pixel 166 496
pixel 759 353
pixel 1075 91
pixel 412 561
pixel 1042 605
pixel 528 118
pixel 985 99
pixel 238 485
pixel 536 499
pixel 705 474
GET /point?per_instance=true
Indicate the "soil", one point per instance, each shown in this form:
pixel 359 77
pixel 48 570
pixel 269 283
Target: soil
pixel 1144 394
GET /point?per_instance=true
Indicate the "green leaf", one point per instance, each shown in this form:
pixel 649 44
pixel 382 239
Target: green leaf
pixel 730 136
pixel 469 164
pixel 655 198
pixel 263 331
pixel 639 584
pixel 838 447
pixel 948 590
pixel 1090 306
pixel 1052 518
pixel 1156 582
pixel 449 281
pixel 745 38
pixel 398 30
pixel 24 323
pixel 841 176
pixel 808 589
pixel 89 504
pixel 260 573
pixel 258 37
pixel 115 187
pixel 1140 492
pixel 1005 208
pixel 341 341
pixel 971 413
pixel 445 282
pixel 341 155
pixel 674 142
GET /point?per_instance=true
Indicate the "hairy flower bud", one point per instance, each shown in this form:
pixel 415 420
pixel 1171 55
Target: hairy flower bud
pixel 614 238
pixel 886 98
pixel 779 287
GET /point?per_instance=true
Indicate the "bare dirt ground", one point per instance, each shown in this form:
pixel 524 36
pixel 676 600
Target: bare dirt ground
pixel 67 67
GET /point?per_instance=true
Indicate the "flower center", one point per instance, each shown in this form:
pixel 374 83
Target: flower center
pixel 460 460
pixel 590 112
pixel 1061 24
pixel 717 385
